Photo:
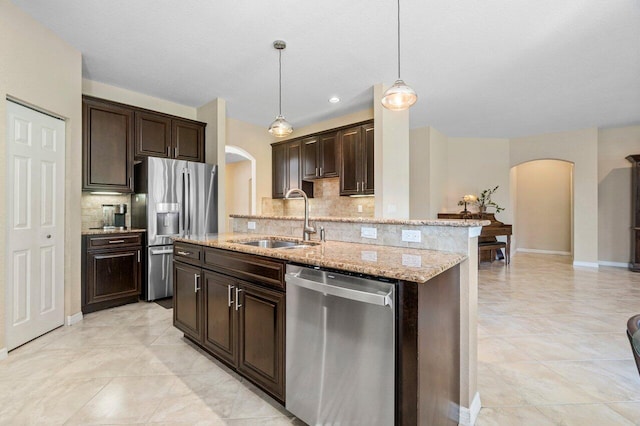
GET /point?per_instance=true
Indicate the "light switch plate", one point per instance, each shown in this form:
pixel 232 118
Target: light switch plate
pixel 369 233
pixel 411 236
pixel 251 225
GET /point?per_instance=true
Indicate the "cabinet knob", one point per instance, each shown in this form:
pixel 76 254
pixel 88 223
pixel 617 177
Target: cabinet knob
pixel 48 235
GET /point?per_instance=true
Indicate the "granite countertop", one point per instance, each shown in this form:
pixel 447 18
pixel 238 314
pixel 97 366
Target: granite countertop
pixel 102 231
pixel 464 223
pixel 383 261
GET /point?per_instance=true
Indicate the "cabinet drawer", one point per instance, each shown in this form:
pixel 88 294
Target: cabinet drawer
pixel 187 253
pixel 248 267
pixel 115 240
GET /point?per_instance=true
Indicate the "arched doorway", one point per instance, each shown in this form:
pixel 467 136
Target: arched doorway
pixel 543 206
pixel 240 181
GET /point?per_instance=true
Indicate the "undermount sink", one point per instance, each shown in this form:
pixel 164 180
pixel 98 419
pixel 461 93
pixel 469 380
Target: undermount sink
pixel 277 244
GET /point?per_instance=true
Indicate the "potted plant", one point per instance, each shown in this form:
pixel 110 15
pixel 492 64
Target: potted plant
pixel 484 201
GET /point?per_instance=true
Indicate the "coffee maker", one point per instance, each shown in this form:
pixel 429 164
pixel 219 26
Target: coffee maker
pixel 114 216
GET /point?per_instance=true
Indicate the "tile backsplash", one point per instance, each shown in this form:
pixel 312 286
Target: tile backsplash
pixel 92 208
pixel 326 202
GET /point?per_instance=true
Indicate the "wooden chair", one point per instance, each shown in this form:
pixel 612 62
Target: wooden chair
pixel 493 247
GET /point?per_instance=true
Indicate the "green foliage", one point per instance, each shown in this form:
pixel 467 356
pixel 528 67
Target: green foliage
pixel 485 199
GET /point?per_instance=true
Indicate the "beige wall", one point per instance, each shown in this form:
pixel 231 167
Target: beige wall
pixel 343 120
pixel 419 169
pixel 579 147
pixel 38 68
pixel 118 94
pixel 391 159
pixel 238 187
pixel 256 141
pixel 543 206
pixel 614 192
pixel 476 164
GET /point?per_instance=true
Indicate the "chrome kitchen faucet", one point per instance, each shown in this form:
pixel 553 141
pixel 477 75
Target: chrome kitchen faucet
pixel 307 230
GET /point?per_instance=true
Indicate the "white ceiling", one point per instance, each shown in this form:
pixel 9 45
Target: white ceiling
pixel 494 68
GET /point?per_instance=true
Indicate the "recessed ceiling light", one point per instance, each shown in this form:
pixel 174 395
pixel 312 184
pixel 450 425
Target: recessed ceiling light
pixel 334 99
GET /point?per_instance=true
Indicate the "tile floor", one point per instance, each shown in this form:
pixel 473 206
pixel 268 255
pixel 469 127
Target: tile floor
pixel 122 366
pixel 552 348
pixel 552 351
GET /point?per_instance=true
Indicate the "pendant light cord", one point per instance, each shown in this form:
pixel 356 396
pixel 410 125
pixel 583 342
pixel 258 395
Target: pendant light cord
pixel 280 81
pixel 398 39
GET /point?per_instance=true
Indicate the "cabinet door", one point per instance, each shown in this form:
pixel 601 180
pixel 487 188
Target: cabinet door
pixel 310 164
pixel 153 135
pixel 328 155
pixel 350 164
pixel 107 146
pixel 187 140
pixel 112 275
pixel 187 300
pixel 279 170
pixel 368 176
pixel 220 324
pixel 294 166
pixel 261 334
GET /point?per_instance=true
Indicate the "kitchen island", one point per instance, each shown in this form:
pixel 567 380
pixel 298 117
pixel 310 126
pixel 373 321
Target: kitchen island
pixel 219 268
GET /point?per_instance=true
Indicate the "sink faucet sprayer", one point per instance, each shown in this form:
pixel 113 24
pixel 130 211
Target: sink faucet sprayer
pixel 307 230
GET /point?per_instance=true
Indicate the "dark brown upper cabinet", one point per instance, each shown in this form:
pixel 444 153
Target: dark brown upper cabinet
pixel 107 146
pixel 287 169
pixel 153 135
pixel 357 160
pixel 159 135
pixel 320 156
pixel 187 138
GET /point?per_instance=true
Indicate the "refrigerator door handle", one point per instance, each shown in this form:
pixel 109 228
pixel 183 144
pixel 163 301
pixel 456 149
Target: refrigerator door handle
pixel 183 211
pixel 190 199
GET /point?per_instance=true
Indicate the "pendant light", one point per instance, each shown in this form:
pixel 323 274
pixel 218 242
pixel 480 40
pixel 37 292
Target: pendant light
pixel 280 127
pixel 399 96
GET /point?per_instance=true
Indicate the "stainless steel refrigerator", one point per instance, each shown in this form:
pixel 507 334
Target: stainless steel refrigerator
pixel 171 198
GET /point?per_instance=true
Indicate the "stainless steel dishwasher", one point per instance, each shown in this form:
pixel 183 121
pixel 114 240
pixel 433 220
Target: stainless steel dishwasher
pixel 340 354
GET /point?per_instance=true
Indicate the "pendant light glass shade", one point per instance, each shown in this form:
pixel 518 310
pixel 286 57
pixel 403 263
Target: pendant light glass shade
pixel 399 97
pixel 280 127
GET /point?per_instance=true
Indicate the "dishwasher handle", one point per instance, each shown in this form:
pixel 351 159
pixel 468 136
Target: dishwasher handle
pixel 343 292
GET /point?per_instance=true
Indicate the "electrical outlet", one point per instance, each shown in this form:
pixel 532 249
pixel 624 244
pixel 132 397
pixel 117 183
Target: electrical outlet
pixel 369 233
pixel 369 255
pixel 411 236
pixel 251 225
pixel 359 208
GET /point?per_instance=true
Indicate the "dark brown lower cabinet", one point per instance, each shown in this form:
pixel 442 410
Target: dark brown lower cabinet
pixel 239 322
pixel 261 337
pixel 111 275
pixel 187 299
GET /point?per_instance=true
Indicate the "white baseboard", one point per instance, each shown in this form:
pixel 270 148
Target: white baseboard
pixel 527 250
pixel 615 264
pixel 4 353
pixel 469 415
pixel 73 319
pixel 586 264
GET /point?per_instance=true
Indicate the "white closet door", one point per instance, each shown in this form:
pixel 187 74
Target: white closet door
pixel 35 224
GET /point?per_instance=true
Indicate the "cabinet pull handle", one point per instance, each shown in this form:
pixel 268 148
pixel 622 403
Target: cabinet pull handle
pixel 320 171
pixel 238 306
pixel 357 186
pixel 138 256
pixel 175 152
pixel 196 278
pixel 116 241
pixel 168 151
pixel 229 298
pixel 130 185
pixel 363 186
pixel 316 172
pixel 184 253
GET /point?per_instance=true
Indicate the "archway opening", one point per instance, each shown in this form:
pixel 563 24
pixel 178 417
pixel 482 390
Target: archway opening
pixel 240 181
pixel 543 206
